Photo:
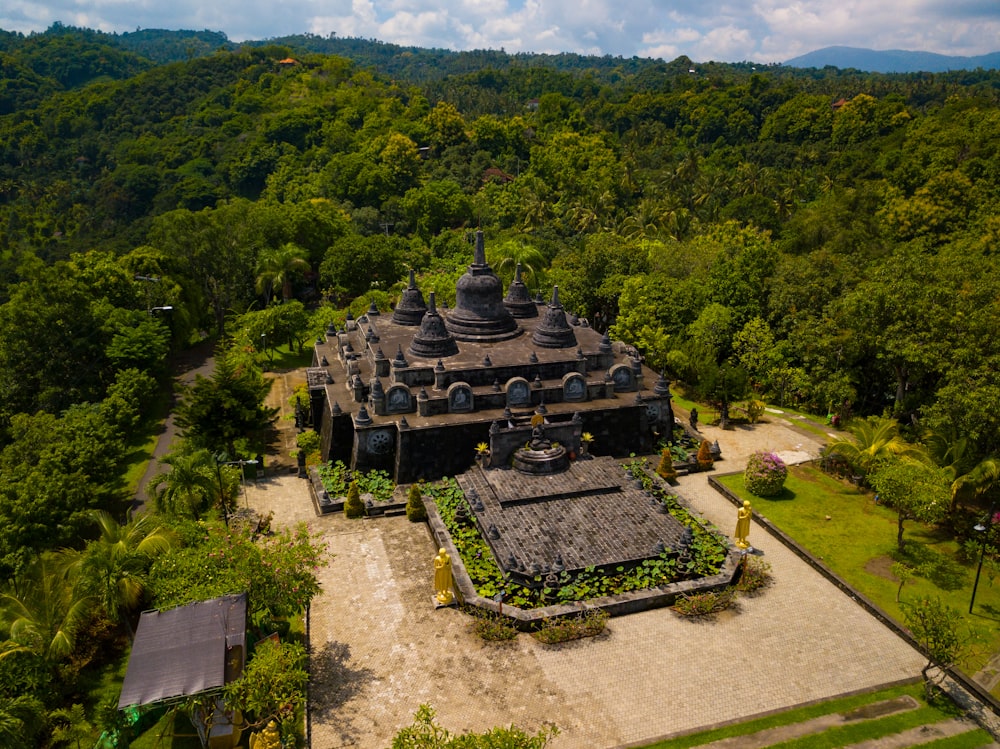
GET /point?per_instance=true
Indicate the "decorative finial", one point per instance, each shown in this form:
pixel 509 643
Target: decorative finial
pixel 480 258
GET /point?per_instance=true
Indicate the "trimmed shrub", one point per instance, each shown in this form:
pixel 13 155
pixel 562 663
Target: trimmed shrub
pixel 755 409
pixel 765 474
pixel 704 458
pixel 666 469
pixel 353 506
pixel 415 510
pixel 308 441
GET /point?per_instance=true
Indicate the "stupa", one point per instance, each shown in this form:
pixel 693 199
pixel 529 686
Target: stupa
pixel 480 372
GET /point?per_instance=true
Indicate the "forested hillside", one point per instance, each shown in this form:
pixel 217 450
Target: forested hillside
pixel 820 239
pixel 811 238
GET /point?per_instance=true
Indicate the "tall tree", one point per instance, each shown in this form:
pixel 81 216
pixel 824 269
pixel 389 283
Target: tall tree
pixel 276 267
pixel 225 413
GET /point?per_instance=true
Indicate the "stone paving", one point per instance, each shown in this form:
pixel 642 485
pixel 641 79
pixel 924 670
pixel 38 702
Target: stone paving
pixel 380 648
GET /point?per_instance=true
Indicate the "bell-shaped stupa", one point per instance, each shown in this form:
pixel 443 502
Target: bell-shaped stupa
pixel 480 315
pixel 554 331
pixel 518 301
pixel 433 341
pixel 411 307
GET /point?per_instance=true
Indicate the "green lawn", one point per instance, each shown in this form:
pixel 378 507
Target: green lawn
pixel 858 542
pixel 282 358
pixel 840 735
pixel 172 731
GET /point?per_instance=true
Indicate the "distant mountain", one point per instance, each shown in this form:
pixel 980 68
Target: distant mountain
pixel 891 60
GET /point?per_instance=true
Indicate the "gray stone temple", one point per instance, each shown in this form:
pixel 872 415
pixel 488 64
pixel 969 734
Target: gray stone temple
pixel 415 392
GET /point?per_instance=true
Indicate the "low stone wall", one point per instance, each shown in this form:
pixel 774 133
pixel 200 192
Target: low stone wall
pixel 617 605
pixel 976 690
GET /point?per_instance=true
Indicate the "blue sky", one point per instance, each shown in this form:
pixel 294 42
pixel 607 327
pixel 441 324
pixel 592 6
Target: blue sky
pixel 722 30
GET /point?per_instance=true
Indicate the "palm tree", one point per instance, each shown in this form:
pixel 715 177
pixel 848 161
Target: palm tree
pixel 276 266
pixel 875 439
pixel 20 717
pixel 977 482
pixel 41 610
pixel 113 568
pixel 188 487
pixel 506 256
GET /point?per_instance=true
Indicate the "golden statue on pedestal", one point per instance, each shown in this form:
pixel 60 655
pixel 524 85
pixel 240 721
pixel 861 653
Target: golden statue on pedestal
pixel 743 525
pixel 443 578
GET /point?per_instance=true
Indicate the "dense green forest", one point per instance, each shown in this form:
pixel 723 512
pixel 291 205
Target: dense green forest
pixel 817 238
pixel 822 238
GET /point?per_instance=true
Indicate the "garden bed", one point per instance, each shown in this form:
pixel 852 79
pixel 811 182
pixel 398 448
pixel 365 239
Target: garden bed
pixel 651 583
pixel 328 485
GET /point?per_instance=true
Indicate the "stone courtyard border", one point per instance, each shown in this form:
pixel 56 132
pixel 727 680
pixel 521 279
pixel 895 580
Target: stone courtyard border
pixel 978 694
pixel 616 605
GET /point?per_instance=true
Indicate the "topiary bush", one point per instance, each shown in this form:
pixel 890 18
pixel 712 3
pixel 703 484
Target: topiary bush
pixel 765 474
pixel 415 510
pixel 704 458
pixel 308 442
pixel 666 469
pixel 353 506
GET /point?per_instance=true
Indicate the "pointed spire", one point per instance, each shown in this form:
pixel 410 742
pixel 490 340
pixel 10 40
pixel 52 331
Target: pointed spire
pixel 411 307
pixel 554 331
pixel 433 339
pixel 400 361
pixel 480 257
pixel 518 301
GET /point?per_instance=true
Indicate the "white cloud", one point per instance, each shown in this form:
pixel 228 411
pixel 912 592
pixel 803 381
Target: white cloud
pixel 762 30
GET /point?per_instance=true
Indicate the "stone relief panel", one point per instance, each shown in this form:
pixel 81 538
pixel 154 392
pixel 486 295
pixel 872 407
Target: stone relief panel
pixel 574 387
pixel 518 392
pixel 460 398
pixel 398 400
pixel 623 377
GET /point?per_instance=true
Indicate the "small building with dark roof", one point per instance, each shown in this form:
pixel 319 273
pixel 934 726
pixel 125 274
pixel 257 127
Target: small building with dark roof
pixel 186 651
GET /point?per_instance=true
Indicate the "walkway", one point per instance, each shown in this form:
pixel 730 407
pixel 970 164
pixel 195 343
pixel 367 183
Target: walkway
pixel 380 649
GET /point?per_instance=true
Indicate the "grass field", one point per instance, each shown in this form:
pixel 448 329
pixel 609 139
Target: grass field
pixel 840 735
pixel 844 528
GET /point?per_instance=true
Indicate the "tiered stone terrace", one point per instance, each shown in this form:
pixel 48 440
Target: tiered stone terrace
pixel 590 516
pixel 415 401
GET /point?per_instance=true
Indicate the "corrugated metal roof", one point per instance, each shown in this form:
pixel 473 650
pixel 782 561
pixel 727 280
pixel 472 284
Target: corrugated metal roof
pixel 182 651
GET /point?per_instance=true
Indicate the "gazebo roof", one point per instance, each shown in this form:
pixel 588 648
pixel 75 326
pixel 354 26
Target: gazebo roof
pixel 183 651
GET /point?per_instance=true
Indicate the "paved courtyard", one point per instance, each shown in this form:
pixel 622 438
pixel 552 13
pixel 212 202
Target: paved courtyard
pixel 380 649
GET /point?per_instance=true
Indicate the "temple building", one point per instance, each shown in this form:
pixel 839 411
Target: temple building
pixel 415 392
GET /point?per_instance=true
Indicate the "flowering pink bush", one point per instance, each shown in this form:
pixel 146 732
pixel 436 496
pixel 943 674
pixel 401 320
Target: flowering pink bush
pixel 765 474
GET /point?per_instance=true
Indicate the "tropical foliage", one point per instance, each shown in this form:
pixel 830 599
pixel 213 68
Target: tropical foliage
pixel 821 239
